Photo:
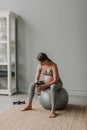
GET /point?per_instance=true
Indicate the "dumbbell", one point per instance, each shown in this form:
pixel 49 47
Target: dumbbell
pixel 15 103
pixel 19 102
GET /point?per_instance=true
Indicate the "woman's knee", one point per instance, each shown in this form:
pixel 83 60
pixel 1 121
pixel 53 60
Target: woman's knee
pixel 32 84
pixel 53 86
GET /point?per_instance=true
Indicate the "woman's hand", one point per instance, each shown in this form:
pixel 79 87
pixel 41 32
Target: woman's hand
pixel 40 88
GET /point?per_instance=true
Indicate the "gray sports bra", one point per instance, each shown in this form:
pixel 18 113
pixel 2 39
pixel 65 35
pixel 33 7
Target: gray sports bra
pixel 50 73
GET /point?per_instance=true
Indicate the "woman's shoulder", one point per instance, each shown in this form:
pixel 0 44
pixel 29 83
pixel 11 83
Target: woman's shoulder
pixel 53 64
pixel 39 66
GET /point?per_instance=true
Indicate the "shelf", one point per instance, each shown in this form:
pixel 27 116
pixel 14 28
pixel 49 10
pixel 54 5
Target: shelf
pixel 3 42
pixel 7 52
pixel 6 63
pixel 3 63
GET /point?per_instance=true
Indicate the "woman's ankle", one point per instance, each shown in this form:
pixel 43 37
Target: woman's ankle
pixel 53 111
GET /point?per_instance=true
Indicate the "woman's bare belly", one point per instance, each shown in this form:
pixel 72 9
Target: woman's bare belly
pixel 48 79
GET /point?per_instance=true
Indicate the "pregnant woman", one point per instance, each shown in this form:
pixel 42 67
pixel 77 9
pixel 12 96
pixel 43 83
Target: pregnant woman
pixel 50 79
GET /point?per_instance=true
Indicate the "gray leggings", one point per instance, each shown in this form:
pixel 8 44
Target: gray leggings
pixel 53 89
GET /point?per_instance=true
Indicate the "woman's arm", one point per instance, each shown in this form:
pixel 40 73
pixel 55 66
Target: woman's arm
pixel 38 72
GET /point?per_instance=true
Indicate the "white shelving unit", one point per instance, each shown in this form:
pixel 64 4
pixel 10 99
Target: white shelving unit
pixel 7 52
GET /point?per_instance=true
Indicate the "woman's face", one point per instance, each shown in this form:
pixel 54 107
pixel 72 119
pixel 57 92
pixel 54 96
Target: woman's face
pixel 42 62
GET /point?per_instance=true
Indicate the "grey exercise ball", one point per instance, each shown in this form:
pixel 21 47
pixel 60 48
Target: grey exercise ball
pixel 61 99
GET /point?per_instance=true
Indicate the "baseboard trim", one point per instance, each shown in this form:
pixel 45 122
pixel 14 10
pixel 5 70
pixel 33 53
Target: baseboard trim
pixel 77 92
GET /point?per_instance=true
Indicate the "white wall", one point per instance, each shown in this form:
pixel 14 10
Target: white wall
pixel 57 27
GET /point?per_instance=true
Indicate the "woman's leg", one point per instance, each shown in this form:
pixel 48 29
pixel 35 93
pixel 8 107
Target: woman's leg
pixel 54 88
pixel 31 93
pixel 30 97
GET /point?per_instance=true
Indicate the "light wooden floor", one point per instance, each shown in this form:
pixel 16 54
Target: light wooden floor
pixel 6 102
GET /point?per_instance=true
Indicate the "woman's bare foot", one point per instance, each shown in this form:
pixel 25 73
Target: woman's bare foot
pixel 52 114
pixel 28 107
